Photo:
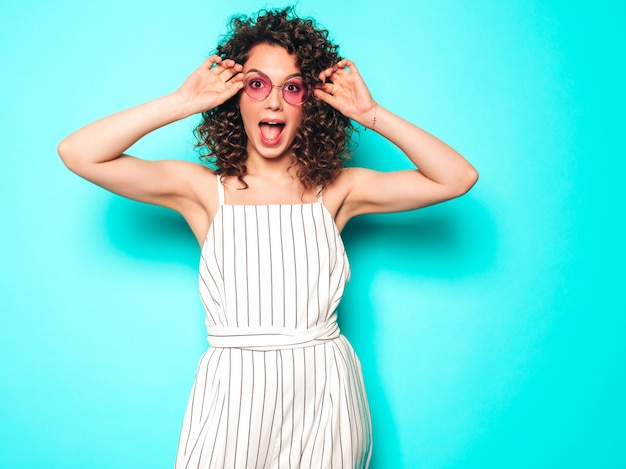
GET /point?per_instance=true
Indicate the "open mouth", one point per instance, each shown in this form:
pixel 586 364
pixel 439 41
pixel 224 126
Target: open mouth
pixel 271 132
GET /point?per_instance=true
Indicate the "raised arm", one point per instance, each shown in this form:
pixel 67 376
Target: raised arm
pixel 96 151
pixel 441 173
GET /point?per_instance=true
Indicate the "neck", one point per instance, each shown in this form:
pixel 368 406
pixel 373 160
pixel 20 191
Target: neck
pixel 271 168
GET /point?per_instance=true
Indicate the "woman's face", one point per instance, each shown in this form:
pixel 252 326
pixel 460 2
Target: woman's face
pixel 270 123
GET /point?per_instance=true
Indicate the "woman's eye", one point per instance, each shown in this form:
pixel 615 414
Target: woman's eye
pixel 293 87
pixel 256 83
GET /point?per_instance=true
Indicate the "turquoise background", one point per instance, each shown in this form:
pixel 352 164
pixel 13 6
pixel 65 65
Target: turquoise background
pixel 491 328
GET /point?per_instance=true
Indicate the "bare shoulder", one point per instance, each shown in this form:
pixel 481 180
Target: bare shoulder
pixel 187 170
pixel 347 178
pixel 183 184
pixel 201 202
pixel 197 174
pixel 352 178
pixel 337 194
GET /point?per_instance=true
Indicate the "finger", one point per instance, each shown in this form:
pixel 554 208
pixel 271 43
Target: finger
pixel 341 73
pixel 229 63
pixel 232 88
pixel 353 68
pixel 236 78
pixel 330 71
pixel 345 67
pixel 218 65
pixel 224 95
pixel 326 87
pixel 328 79
pixel 339 65
pixel 208 64
pixel 228 71
pixel 325 74
pixel 324 96
pixel 212 61
pixel 346 64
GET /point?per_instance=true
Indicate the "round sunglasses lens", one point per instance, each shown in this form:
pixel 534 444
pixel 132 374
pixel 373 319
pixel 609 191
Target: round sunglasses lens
pixel 295 92
pixel 257 87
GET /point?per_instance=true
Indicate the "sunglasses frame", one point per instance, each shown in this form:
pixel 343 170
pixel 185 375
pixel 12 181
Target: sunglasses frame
pixel 264 77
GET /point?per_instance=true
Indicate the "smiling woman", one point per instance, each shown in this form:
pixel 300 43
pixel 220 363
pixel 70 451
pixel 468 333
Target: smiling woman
pixel 280 386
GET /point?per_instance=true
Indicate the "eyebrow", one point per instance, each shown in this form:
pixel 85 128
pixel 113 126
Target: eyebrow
pixel 293 75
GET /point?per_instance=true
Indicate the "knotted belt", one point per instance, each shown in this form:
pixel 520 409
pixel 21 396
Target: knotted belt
pixel 271 338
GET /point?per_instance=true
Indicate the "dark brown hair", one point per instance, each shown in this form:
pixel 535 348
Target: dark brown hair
pixel 322 142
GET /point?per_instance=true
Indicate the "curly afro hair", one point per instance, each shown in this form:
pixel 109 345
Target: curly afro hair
pixel 323 141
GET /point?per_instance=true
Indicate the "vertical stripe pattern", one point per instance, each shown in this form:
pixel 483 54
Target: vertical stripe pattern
pixel 275 271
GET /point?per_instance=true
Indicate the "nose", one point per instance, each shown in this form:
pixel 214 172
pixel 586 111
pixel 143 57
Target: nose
pixel 275 99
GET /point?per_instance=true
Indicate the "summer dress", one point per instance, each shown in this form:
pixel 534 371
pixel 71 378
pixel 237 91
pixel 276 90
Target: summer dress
pixel 279 386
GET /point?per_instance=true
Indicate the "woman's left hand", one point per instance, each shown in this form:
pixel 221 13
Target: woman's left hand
pixel 344 89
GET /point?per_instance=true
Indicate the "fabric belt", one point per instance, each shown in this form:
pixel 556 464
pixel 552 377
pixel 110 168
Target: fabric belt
pixel 271 338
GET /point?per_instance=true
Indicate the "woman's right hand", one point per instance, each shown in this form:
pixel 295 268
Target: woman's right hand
pixel 214 82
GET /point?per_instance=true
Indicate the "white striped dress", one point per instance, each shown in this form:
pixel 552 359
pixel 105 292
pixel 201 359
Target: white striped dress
pixel 279 386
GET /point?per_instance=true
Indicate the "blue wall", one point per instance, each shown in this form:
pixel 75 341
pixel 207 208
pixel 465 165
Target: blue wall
pixel 491 328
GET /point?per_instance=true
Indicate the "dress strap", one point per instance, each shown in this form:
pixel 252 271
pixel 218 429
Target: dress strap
pixel 220 190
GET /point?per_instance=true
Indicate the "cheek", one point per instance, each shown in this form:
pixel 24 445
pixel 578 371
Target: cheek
pixel 298 117
pixel 247 113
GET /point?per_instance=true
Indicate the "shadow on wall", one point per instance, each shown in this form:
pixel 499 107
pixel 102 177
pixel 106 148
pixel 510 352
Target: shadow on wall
pixel 149 232
pixel 452 241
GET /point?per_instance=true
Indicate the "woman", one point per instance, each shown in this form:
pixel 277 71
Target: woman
pixel 279 385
